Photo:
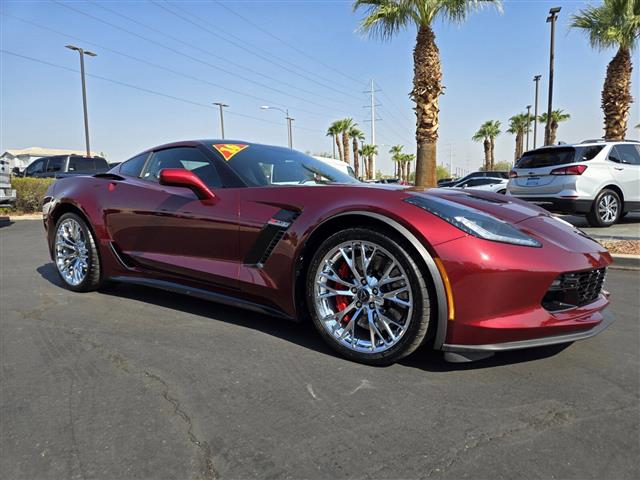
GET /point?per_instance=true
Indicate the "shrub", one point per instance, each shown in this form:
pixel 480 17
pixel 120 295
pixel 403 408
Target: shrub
pixel 30 192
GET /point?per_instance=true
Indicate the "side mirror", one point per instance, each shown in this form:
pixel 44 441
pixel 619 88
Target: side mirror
pixel 181 177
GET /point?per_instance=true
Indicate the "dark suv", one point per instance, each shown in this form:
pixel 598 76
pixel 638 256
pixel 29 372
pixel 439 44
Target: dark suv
pixel 64 166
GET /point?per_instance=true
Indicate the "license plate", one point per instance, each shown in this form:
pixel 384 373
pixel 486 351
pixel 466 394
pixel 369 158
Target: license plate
pixel 532 181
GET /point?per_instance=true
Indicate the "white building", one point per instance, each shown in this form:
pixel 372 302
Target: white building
pixel 22 158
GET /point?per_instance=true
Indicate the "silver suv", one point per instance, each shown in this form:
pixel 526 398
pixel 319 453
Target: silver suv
pixel 599 179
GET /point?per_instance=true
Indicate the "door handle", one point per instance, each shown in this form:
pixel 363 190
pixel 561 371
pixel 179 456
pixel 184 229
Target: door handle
pixel 618 168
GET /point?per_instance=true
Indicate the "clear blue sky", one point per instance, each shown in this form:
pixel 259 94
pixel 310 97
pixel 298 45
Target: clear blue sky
pixel 317 67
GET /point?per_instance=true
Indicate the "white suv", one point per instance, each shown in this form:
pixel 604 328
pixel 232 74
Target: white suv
pixel 598 178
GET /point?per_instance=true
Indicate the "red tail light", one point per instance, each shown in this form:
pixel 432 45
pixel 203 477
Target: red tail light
pixel 513 174
pixel 572 170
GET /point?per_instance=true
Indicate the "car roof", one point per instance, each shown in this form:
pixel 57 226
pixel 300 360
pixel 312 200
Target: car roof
pixel 208 141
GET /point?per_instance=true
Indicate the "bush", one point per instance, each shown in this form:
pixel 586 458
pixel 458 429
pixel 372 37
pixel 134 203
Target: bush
pixel 29 193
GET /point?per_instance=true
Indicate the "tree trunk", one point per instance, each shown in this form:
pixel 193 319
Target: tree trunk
pixel 372 174
pixel 487 154
pixel 345 146
pixel 356 159
pixel 493 154
pixel 553 132
pixel 616 95
pixel 333 144
pixel 427 88
pixel 339 144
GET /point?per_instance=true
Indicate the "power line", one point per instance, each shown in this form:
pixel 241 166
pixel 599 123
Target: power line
pixel 143 89
pixel 251 50
pixel 293 47
pixel 206 52
pixel 195 59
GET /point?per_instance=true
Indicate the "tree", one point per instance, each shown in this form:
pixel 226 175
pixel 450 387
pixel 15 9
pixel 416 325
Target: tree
pixel 557 116
pixel 345 125
pixel 614 24
pixel 502 166
pixel 405 161
pixel 368 151
pixel 385 19
pixel 519 125
pixel 356 134
pixel 487 134
pixel 334 131
pixel 396 151
pixel 442 172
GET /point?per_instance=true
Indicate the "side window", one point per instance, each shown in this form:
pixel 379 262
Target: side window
pixel 54 164
pixel 36 167
pixel 183 157
pixel 81 164
pixel 133 167
pixel 628 154
pixel 614 156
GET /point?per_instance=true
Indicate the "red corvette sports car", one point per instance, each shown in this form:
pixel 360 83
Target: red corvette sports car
pixel 379 269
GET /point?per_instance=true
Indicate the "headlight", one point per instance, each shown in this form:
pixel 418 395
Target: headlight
pixel 474 222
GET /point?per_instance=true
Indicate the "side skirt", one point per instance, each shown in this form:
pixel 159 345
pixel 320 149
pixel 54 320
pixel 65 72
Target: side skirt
pixel 203 294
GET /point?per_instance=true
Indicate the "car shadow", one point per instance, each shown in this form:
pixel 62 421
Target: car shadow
pixel 300 333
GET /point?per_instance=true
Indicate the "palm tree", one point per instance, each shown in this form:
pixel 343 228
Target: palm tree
pixel 396 152
pixel 386 18
pixel 615 23
pixel 519 125
pixel 368 152
pixel 406 159
pixel 487 134
pixel 345 126
pixel 557 116
pixel 334 131
pixel 356 134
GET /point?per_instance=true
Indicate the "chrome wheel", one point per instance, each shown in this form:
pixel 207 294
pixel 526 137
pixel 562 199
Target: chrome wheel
pixel 72 256
pixel 363 297
pixel 608 207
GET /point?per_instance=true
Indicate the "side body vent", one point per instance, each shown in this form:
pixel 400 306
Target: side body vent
pixel 269 236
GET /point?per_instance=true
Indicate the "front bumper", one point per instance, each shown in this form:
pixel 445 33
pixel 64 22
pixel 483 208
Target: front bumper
pixel 559 205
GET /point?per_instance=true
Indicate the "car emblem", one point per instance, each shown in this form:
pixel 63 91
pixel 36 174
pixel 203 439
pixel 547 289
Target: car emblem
pixel 228 150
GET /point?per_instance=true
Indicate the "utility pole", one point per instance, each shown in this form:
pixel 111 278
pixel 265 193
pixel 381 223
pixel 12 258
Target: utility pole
pixel 82 53
pixel 222 106
pixel 289 121
pixel 373 128
pixel 553 15
pixel 528 124
pixel 536 79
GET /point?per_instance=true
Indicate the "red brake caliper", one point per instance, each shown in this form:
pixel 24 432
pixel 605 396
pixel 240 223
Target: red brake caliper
pixel 342 301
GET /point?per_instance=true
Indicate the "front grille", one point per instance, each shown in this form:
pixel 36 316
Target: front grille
pixel 574 289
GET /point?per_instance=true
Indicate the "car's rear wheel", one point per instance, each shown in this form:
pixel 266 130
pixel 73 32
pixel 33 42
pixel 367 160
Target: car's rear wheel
pixel 75 254
pixel 367 296
pixel 605 210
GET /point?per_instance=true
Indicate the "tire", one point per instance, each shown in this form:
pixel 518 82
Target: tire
pixel 75 254
pixel 606 209
pixel 389 310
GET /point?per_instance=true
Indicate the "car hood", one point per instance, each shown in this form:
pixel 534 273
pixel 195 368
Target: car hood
pixel 506 208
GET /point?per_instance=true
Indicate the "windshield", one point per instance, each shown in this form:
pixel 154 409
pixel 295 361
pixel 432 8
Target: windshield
pixel 549 157
pixel 261 165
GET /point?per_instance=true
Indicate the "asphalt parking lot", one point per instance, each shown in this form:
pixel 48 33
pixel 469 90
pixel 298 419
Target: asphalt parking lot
pixel 137 383
pixel 628 228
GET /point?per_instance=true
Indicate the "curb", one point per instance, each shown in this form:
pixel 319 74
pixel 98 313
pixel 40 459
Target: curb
pixel 625 262
pixel 35 216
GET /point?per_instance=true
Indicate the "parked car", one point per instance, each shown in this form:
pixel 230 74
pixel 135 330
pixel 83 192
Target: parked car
pixel 379 270
pixel 442 181
pixel 492 174
pixel 344 167
pixel 65 165
pixel 497 185
pixel 7 194
pixel 599 179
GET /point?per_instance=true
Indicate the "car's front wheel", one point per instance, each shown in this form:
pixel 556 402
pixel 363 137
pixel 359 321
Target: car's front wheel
pixel 75 254
pixel 605 210
pixel 367 296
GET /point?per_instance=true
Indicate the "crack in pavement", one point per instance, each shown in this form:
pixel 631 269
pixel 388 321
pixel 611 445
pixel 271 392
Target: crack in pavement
pixel 123 364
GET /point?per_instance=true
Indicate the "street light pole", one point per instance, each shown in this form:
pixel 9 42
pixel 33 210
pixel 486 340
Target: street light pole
pixel 221 105
pixel 553 15
pixel 289 122
pixel 528 124
pixel 536 79
pixel 82 53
